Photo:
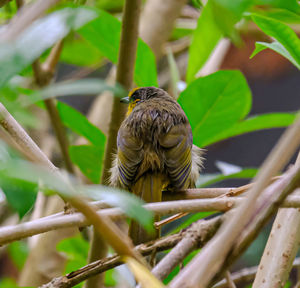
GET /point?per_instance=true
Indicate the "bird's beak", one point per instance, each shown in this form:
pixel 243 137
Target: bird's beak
pixel 125 100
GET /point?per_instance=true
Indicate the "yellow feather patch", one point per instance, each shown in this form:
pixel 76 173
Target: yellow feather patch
pixel 132 104
pixel 132 91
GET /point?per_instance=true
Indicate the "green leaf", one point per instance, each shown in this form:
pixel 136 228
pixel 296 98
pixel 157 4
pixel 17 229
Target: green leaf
pixel 8 283
pixel 76 50
pixel 205 38
pixel 89 160
pixel 104 33
pixel 227 13
pixel 277 47
pixel 128 202
pixel 44 33
pixel 79 87
pixel 222 99
pixel 282 15
pixel 18 252
pixel 20 194
pixel 207 180
pixel 254 123
pixel 282 33
pixel 291 5
pixel 76 249
pixel 191 219
pixel 80 124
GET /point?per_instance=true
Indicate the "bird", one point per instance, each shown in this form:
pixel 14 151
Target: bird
pixel 155 151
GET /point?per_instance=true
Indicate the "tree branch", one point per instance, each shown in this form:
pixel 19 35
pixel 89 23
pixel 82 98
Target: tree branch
pixel 161 244
pixel 12 233
pixel 26 145
pixel 246 275
pixel 194 237
pixel 281 248
pixel 124 76
pixel 212 256
pixel 43 74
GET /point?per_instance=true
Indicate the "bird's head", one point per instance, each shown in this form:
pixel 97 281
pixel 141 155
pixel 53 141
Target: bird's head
pixel 139 95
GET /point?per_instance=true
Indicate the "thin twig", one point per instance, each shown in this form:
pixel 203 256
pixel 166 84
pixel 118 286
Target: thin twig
pixel 161 244
pixel 43 75
pixel 246 275
pixel 213 255
pixel 229 280
pixel 199 232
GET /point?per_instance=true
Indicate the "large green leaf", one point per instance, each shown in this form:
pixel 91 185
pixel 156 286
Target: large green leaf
pixel 38 37
pixel 89 160
pixel 205 38
pixel 80 124
pixel 221 99
pixel 253 123
pixel 104 33
pixel 283 34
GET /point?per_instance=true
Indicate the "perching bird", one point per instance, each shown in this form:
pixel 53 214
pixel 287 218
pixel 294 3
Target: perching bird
pixel 155 150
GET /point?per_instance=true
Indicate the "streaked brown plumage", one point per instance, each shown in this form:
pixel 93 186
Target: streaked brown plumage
pixel 155 150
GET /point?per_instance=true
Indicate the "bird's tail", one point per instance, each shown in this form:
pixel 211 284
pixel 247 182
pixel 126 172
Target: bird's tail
pixel 149 189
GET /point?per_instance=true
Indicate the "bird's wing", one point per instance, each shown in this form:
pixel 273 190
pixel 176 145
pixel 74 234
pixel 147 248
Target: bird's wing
pixel 130 155
pixel 177 144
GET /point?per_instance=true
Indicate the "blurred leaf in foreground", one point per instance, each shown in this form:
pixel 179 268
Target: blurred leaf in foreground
pixel 31 174
pixel 43 33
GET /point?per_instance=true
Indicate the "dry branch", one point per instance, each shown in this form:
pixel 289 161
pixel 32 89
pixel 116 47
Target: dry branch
pixel 212 256
pixel 246 275
pixel 199 232
pixel 43 75
pixel 125 68
pixel 12 233
pixel 267 204
pixel 281 248
pixel 161 244
pixel 124 76
pixel 22 139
